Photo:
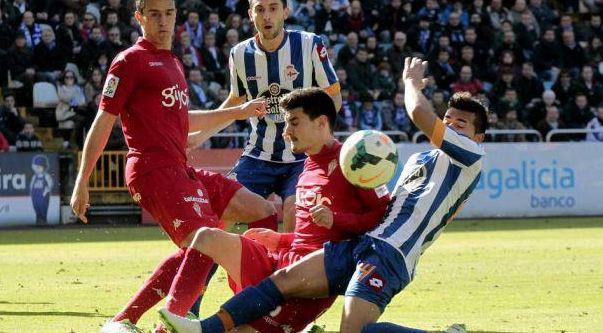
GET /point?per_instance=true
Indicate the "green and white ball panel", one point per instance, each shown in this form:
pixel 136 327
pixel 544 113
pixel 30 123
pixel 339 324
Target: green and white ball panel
pixel 368 159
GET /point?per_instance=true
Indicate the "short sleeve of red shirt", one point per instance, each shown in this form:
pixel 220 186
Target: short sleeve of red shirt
pixel 120 82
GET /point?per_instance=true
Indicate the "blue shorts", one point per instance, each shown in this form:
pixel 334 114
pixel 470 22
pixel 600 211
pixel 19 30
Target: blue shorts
pixel 265 178
pixel 367 268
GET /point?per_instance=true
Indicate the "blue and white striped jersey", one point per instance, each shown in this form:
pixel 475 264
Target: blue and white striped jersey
pixel 431 190
pixel 301 61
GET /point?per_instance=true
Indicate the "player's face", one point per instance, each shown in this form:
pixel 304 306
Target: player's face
pixel 157 21
pixel 301 132
pixel 268 16
pixel 462 122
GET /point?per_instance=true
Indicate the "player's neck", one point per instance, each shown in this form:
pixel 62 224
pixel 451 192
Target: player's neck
pixel 327 142
pixel 271 44
pixel 160 45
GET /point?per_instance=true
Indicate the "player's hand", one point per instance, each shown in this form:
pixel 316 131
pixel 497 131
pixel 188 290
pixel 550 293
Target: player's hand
pixel 80 201
pixel 322 216
pixel 253 108
pixel 268 238
pixel 414 72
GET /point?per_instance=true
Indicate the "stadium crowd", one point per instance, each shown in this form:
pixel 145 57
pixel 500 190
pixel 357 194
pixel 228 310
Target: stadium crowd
pixel 538 64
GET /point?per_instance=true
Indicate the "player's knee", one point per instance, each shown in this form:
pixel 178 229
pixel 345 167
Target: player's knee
pixel 206 238
pixel 285 284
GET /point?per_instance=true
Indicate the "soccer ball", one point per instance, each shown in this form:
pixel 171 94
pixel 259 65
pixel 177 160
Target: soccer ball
pixel 368 159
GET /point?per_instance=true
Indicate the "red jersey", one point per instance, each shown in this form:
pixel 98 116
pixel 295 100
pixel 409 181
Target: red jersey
pixel 147 88
pixel 355 210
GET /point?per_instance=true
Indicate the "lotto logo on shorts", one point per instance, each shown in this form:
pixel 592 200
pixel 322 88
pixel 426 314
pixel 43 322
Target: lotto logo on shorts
pixel 366 273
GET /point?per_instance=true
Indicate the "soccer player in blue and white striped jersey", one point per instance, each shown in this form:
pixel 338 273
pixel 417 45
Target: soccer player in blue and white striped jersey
pixel 370 270
pixel 270 64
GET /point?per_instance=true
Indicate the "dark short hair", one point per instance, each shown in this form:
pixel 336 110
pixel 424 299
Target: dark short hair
pixel 284 2
pixel 142 4
pixel 315 102
pixel 465 102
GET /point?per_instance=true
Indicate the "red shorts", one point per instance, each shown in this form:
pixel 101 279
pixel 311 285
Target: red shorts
pixel 294 315
pixel 183 200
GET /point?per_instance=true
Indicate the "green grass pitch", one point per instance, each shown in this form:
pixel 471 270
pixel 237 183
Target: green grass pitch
pixel 539 275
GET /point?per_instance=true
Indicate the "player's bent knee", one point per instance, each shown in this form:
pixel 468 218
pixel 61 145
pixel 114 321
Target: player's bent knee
pixel 206 239
pixel 285 283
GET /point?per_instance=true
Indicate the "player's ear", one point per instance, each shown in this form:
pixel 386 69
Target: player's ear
pixel 138 17
pixel 250 14
pixel 479 137
pixel 286 12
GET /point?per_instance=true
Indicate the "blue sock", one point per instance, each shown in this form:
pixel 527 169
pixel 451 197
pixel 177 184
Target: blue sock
pixel 250 304
pixel 388 328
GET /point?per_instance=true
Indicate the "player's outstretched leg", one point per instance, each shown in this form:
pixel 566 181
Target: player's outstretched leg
pixel 304 279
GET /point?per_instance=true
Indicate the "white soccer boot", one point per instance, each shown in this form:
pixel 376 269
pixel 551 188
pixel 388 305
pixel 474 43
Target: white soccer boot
pixel 456 328
pixel 176 324
pixel 124 326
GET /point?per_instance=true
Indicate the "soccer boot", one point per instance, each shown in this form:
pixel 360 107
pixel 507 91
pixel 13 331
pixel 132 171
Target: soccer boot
pixel 176 324
pixel 123 326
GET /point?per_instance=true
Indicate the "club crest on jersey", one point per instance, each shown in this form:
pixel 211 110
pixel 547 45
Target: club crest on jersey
pixel 110 85
pixel 291 73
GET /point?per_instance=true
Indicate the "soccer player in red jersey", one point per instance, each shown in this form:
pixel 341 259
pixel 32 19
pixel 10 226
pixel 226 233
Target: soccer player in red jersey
pixel 328 208
pixel 146 87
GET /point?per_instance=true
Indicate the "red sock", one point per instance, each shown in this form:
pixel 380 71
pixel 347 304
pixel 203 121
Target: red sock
pixel 189 282
pixel 154 289
pixel 269 222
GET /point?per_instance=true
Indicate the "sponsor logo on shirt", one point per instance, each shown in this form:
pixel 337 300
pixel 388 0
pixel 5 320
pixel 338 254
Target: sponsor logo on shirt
pixel 309 198
pixel 155 63
pixel 254 78
pixel 110 85
pixel 273 95
pixel 174 94
pixel 381 191
pixel 199 198
pixel 322 52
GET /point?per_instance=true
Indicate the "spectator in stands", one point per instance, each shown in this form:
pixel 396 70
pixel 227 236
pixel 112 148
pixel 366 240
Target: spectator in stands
pixel 217 28
pixel 328 21
pixel 347 118
pixel 510 101
pixel 438 101
pixel 20 62
pixel 90 21
pixel 467 82
pixel 30 29
pixel 547 58
pixel 565 88
pixel 529 87
pixel 11 122
pixel 537 110
pixel 454 29
pixel 6 31
pixel 442 70
pixel 27 140
pixel 577 114
pixel 431 11
pixel 372 48
pixel 68 36
pixel 360 74
pixel 591 88
pixel 527 31
pixel 596 124
pixel 94 85
pixel 348 52
pixel 566 23
pixel 14 11
pixel 542 12
pixel 232 39
pixel 550 122
pixel 112 21
pixel 115 6
pixel 200 96
pixel 572 54
pixel 398 52
pixel 245 29
pixel 593 28
pixel 48 58
pixel 113 45
pixel 370 117
pixel 83 120
pixel 213 59
pixel 421 36
pixel 395 117
pixel 495 124
pixel 194 29
pixel 184 46
pixel 71 102
pixel 511 122
pixel 467 58
pixel 4 145
pixel 91 48
pixel 357 20
pixel 497 13
pixel 480 49
pixel 385 86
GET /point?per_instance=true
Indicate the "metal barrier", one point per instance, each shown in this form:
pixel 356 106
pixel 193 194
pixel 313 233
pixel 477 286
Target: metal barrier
pixel 108 174
pixel 419 134
pixel 558 131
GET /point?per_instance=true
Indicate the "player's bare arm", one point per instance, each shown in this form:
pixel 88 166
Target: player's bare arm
pixel 196 138
pixel 337 99
pixel 204 120
pixel 418 107
pixel 93 147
